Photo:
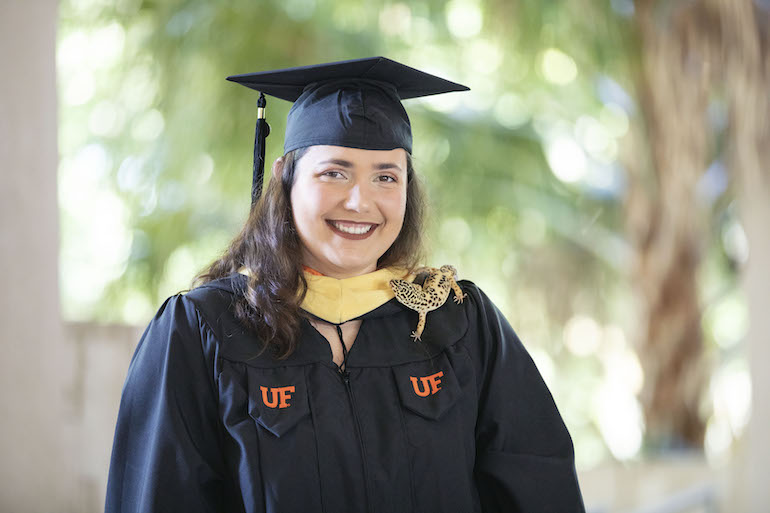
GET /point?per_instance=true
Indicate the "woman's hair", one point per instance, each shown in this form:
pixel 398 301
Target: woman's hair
pixel 268 247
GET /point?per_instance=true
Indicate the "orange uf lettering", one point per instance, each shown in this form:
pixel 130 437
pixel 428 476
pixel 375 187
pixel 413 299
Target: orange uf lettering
pixel 278 396
pixel 430 384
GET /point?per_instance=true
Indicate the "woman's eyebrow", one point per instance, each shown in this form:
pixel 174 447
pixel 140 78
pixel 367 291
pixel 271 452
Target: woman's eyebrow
pixel 387 165
pixel 346 163
pixel 337 162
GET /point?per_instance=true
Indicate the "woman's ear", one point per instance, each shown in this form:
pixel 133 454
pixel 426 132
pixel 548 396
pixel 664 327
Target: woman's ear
pixel 277 169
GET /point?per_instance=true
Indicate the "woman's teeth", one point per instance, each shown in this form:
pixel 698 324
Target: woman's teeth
pixel 356 230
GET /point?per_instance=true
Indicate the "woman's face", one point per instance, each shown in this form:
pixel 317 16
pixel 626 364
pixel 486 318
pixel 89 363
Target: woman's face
pixel 348 206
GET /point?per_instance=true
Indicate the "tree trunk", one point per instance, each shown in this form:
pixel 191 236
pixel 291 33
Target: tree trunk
pixel 664 219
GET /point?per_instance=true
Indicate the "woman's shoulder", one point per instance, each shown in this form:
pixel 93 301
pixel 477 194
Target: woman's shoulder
pixel 215 298
pixel 200 313
pixel 450 306
pixel 194 327
pixel 469 313
pixel 218 292
pixel 214 303
pixel 490 335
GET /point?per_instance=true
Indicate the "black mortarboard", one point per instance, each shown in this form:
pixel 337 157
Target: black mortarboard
pixel 354 103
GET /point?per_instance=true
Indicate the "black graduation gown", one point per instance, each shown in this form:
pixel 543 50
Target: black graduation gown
pixel 460 423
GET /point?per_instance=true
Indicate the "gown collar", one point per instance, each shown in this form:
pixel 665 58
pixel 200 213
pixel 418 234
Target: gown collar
pixel 340 300
pixel 337 301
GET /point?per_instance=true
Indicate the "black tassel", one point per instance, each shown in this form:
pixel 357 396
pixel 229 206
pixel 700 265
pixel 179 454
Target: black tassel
pixel 260 134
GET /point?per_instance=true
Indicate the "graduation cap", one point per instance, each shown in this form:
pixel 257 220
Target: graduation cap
pixel 355 103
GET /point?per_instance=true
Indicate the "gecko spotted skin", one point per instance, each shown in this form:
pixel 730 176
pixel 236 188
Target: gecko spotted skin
pixel 432 294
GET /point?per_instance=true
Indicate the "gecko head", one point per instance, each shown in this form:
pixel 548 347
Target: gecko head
pixel 449 270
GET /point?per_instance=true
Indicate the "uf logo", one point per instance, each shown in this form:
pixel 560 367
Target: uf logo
pixel 281 393
pixel 430 384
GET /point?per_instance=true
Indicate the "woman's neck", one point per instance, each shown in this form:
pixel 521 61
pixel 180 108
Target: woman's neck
pixel 339 274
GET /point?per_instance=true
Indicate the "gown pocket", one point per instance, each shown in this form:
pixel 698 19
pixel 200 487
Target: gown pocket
pixel 278 398
pixel 428 391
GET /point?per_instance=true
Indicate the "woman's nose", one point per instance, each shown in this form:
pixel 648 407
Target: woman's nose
pixel 357 198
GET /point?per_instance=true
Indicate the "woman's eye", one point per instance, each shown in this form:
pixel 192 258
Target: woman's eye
pixel 386 179
pixel 332 174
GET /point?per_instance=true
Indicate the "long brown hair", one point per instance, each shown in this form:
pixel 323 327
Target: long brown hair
pixel 268 246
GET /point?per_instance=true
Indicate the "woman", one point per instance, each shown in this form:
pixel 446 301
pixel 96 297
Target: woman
pixel 315 369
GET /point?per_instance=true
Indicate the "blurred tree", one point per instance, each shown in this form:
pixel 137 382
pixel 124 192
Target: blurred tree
pixel 666 218
pixel 695 56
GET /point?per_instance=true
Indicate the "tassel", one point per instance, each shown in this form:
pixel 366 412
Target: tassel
pixel 261 132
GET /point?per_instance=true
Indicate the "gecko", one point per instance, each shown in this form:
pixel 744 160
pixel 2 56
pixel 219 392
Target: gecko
pixel 432 294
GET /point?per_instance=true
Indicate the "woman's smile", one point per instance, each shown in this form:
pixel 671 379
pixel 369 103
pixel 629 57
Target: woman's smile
pixel 352 230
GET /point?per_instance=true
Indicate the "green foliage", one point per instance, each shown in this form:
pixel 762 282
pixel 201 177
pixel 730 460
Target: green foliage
pixel 522 172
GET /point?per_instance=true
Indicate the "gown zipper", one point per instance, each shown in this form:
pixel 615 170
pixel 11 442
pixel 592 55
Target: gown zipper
pixel 345 375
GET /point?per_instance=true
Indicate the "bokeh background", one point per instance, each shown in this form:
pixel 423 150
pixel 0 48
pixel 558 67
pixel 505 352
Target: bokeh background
pixel 605 181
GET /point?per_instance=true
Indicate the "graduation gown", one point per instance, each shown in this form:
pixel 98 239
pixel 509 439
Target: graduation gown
pixel 460 422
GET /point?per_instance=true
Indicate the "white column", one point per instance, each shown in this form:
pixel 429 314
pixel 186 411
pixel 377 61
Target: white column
pixel 33 476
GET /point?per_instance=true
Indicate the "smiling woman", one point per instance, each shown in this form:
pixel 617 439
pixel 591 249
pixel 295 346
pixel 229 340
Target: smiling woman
pixel 304 373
